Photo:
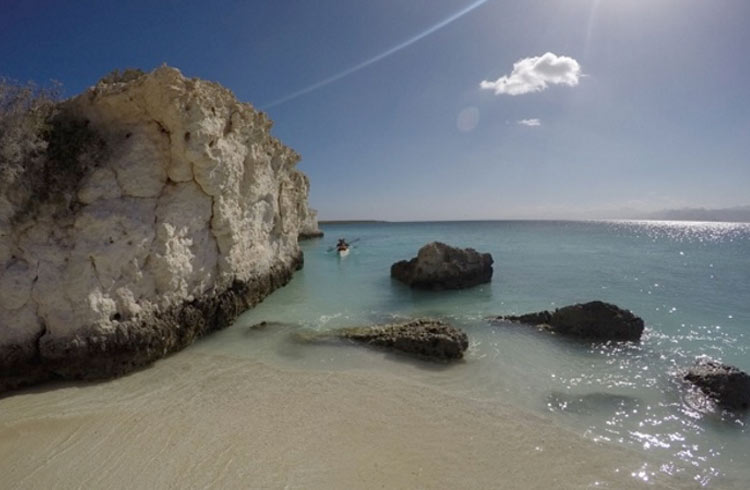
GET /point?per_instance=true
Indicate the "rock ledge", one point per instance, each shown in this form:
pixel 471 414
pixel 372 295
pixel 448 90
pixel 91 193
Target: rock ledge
pixel 427 339
pixel 91 354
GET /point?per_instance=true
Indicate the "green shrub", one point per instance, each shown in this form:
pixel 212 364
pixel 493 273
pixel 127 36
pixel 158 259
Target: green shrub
pixel 122 76
pixel 44 151
pixel 73 147
pixel 24 110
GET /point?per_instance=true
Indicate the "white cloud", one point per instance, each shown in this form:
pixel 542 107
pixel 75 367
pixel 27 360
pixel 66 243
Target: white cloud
pixel 535 74
pixel 530 122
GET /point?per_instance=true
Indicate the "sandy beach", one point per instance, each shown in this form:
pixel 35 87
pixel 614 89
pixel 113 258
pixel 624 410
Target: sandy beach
pixel 205 421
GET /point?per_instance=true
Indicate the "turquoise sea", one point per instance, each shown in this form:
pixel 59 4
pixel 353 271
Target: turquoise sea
pixel 690 282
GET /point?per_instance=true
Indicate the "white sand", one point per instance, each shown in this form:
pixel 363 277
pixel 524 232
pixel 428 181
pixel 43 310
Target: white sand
pixel 200 421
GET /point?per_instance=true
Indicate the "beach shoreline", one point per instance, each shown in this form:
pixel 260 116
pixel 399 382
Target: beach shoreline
pixel 196 420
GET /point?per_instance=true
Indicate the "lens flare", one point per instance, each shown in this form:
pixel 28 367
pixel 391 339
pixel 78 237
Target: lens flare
pixel 375 59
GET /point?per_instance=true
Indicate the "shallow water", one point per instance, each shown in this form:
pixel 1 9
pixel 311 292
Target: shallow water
pixel 253 408
pixel 211 421
pixel 689 281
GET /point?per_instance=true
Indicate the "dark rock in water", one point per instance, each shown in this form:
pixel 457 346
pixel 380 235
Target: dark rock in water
pixel 726 384
pixel 440 266
pixel 595 320
pixel 540 318
pixel 308 235
pixel 263 325
pixel 427 339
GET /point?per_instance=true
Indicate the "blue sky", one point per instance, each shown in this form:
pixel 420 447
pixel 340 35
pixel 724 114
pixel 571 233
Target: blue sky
pixel 645 105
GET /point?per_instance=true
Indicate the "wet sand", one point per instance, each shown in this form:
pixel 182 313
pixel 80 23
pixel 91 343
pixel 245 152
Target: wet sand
pixel 207 421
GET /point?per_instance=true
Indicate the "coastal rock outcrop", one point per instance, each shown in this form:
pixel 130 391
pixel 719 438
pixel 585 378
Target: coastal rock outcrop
pixel 187 213
pixel 423 338
pixel 309 227
pixel 729 386
pixel 440 266
pixel 595 320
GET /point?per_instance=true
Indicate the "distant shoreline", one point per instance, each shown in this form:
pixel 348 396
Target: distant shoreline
pixel 350 221
pixel 579 220
pixel 736 214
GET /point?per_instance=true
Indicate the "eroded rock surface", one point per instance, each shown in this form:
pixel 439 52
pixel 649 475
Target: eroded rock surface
pixel 440 266
pixel 426 339
pixel 309 228
pixel 596 320
pixel 192 216
pixel 726 384
pixel 308 218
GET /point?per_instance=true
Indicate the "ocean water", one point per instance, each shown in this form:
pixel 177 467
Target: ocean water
pixel 690 282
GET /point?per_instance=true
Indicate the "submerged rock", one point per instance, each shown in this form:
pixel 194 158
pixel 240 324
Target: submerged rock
pixel 264 325
pixel 538 318
pixel 440 266
pixel 308 235
pixel 595 320
pixel 427 339
pixel 590 403
pixel 729 386
pixel 184 213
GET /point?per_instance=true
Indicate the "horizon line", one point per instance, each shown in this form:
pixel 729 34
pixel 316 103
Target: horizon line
pixel 656 220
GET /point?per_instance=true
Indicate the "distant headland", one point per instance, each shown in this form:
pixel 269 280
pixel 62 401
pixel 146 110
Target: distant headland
pixel 350 221
pixel 734 214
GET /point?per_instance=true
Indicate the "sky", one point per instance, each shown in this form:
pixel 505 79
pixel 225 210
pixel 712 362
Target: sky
pixel 447 109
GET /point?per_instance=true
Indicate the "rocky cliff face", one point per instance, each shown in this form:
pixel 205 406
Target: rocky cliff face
pixel 309 220
pixel 309 228
pixel 189 214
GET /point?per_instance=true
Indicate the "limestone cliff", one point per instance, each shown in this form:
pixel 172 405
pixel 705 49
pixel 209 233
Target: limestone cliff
pixel 309 228
pixel 190 215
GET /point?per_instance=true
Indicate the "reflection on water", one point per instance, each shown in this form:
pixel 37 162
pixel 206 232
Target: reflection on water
pixel 682 231
pixel 689 281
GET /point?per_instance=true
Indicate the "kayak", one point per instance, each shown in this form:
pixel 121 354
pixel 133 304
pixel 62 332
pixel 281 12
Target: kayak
pixel 343 252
